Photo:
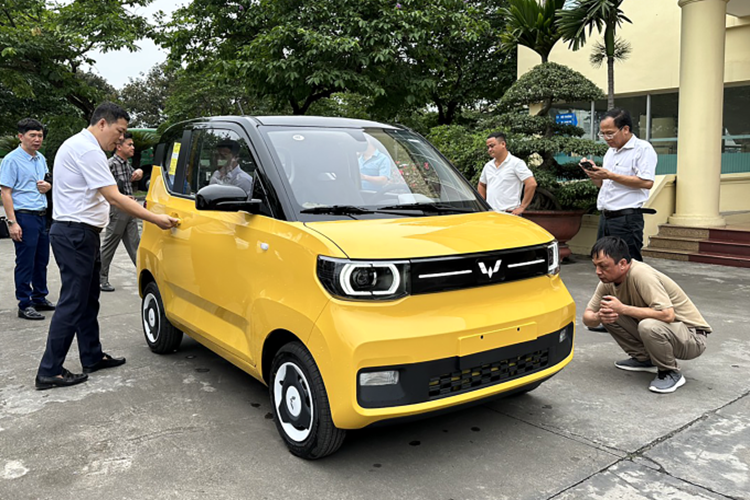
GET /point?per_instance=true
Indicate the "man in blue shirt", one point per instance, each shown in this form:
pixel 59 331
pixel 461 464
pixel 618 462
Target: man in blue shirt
pixel 374 167
pixel 23 189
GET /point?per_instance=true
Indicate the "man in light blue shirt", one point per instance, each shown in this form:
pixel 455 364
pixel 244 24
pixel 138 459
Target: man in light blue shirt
pixel 23 189
pixel 374 167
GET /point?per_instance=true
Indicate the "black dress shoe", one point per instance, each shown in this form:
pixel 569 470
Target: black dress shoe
pixel 63 380
pixel 29 313
pixel 106 362
pixel 106 287
pixel 43 305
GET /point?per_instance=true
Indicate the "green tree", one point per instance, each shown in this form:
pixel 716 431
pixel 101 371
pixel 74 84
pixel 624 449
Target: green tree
pixel 145 97
pixel 604 16
pixel 399 57
pixel 532 23
pixel 44 45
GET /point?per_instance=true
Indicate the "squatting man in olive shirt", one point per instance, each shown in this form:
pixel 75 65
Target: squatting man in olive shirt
pixel 647 314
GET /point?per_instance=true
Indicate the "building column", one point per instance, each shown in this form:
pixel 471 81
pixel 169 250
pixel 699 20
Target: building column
pixel 702 40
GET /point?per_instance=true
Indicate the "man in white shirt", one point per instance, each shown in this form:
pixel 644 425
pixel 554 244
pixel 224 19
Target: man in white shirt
pixel 503 177
pixel 82 193
pixel 228 169
pixel 627 174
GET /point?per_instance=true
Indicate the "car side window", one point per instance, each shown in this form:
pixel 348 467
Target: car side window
pixel 221 156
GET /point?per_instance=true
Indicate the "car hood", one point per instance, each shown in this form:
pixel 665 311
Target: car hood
pixel 430 236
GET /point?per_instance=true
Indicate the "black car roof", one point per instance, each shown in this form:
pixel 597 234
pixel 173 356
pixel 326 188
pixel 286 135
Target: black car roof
pixel 302 121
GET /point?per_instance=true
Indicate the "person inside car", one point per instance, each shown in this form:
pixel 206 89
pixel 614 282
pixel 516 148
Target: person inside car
pixel 228 169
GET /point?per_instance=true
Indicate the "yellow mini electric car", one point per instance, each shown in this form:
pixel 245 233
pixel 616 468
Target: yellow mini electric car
pixel 347 265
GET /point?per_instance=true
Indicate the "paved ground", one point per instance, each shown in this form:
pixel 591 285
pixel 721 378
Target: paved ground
pixel 191 426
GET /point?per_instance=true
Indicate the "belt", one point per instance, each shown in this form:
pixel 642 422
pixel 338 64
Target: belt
pixel 79 224
pixel 611 214
pixel 700 331
pixel 40 213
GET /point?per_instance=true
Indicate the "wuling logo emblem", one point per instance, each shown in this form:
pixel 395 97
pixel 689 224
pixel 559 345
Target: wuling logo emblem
pixel 491 271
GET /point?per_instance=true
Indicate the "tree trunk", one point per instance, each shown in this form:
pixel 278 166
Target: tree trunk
pixel 609 44
pixel 610 82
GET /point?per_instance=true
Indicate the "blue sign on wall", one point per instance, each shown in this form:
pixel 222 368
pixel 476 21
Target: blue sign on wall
pixel 566 119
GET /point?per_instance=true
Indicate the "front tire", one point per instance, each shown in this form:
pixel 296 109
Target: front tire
pixel 301 410
pixel 161 336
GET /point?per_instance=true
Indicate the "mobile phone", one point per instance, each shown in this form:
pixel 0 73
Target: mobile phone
pixel 588 165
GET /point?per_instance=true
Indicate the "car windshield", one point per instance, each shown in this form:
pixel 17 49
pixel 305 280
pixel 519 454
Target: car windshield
pixel 373 171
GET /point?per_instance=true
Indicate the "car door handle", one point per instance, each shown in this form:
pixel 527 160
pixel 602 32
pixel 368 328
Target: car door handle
pixel 176 216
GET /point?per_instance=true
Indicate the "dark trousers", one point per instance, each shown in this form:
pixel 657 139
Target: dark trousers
pixel 76 250
pixel 32 257
pixel 628 227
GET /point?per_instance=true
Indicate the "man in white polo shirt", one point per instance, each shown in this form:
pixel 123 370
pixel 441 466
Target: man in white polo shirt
pixel 82 193
pixel 628 172
pixel 503 177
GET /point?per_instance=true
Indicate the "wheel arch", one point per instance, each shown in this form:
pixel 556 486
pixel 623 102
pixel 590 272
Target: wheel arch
pixel 274 341
pixel 143 280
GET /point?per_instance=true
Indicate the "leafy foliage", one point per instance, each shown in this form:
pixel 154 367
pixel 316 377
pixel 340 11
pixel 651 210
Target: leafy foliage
pixel 531 23
pixel 145 97
pixel 397 57
pixel 43 46
pixel 599 52
pixel 463 148
pixel 606 17
pixel 548 83
pixel 538 139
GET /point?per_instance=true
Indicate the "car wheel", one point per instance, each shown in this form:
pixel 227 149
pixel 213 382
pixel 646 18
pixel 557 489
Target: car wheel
pixel 161 336
pixel 301 410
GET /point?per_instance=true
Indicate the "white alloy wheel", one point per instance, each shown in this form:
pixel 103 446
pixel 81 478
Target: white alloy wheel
pixel 295 408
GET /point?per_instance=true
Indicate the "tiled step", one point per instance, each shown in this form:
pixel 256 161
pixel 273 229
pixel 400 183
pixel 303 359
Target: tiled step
pixel 684 232
pixel 729 235
pixel 722 260
pixel 726 247
pixel 675 243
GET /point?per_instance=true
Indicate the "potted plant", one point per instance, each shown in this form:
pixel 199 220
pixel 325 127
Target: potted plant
pixel 552 150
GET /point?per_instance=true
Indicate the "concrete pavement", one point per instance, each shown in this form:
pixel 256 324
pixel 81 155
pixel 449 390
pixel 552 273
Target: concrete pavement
pixel 191 426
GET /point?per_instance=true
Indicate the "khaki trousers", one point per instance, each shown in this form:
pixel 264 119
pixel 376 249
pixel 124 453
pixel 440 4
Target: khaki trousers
pixel 122 227
pixel 663 343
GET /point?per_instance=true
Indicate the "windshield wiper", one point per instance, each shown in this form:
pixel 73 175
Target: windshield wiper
pixel 337 210
pixel 427 207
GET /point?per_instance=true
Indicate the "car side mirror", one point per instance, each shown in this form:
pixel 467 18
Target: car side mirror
pixel 226 198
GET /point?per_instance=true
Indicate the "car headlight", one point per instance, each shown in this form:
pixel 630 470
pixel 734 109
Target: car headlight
pixel 364 280
pixel 553 258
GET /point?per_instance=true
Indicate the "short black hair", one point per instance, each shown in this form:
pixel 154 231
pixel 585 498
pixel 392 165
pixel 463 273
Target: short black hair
pixel 498 135
pixel 620 116
pixel 127 135
pixel 110 111
pixel 230 144
pixel 611 246
pixel 29 124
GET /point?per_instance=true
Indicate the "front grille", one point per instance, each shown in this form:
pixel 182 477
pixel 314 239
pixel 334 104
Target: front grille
pixel 456 272
pixel 450 384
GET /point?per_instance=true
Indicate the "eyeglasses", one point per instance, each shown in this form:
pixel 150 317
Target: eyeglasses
pixel 608 136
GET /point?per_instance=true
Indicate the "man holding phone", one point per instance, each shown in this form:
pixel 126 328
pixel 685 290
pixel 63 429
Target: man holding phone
pixel 647 313
pixel 627 175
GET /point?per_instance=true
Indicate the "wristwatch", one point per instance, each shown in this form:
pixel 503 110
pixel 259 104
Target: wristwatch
pixel 10 222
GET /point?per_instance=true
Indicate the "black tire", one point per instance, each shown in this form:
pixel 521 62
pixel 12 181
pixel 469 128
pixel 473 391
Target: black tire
pixel 161 336
pixel 303 415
